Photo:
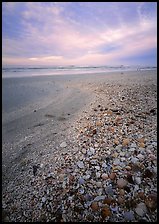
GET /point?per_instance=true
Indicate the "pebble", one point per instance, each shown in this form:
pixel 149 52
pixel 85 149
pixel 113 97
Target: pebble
pixel 81 181
pixel 116 162
pixel 141 209
pixel 140 157
pixel 97 167
pixel 104 176
pixel 91 151
pixel 43 199
pixel 134 160
pixel 138 180
pixel 80 164
pixel 86 177
pixel 84 151
pixel 63 144
pixel 129 215
pixel 109 190
pixel 121 183
pixel 104 165
pixel 98 174
pixel 112 176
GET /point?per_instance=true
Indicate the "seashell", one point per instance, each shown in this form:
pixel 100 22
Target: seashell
pixel 151 201
pixel 105 212
pixel 95 206
pixel 109 112
pixel 141 140
pixel 125 142
pixel 107 201
pixel 142 144
pixel 148 174
pixel 116 141
pixel 112 176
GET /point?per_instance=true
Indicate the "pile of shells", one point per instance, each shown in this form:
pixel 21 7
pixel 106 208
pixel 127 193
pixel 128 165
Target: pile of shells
pixel 105 170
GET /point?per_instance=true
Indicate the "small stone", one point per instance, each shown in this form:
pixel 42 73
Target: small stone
pixel 132 149
pixel 63 145
pixel 121 192
pixel 122 153
pixel 122 159
pixel 86 177
pixel 116 162
pixel 104 176
pixel 133 145
pixel 91 151
pixel 95 206
pixel 80 164
pixel 43 199
pixel 129 216
pixel 98 174
pixel 134 160
pixel 104 165
pixel 112 176
pixel 120 200
pixel 81 181
pixel 84 151
pixel 97 167
pixel 109 190
pixel 121 183
pixel 138 180
pixel 140 156
pixel 141 209
pixel 99 184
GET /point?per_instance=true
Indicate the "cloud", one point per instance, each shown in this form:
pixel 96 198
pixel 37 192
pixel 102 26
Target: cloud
pixel 55 33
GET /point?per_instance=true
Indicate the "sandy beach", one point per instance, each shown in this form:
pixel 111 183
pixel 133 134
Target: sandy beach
pixel 80 147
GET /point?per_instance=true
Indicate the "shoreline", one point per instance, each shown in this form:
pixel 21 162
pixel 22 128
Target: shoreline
pixel 57 148
pixel 72 73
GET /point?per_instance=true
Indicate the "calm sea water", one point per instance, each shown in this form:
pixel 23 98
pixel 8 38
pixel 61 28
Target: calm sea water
pixel 64 70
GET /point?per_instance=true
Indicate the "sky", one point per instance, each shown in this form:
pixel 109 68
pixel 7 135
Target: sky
pixel 79 33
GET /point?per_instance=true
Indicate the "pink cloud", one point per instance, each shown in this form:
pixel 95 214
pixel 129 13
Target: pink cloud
pixel 66 43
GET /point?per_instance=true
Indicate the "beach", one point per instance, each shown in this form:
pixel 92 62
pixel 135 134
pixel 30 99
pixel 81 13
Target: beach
pixel 80 147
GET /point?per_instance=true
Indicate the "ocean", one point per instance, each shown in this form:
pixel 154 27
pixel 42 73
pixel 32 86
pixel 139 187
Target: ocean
pixel 8 72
